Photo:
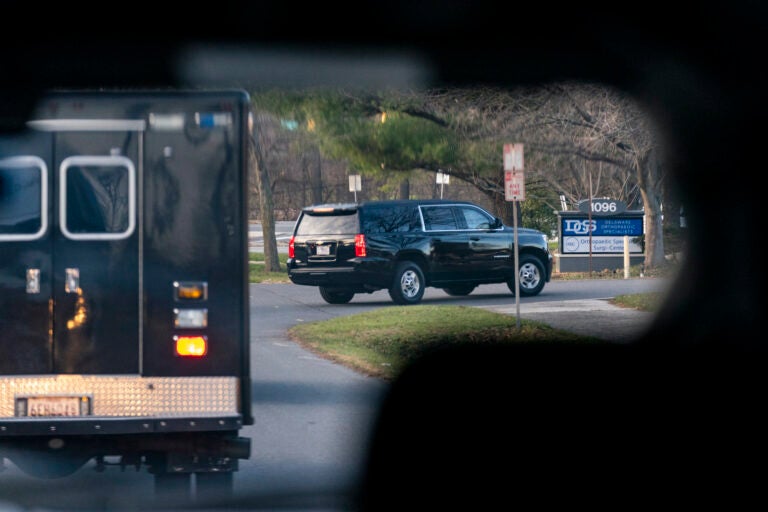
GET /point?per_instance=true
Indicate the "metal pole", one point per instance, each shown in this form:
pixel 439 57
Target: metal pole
pixel 589 217
pixel 517 265
pixel 626 256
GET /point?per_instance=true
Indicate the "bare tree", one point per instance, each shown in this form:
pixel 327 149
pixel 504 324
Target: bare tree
pixel 260 140
pixel 575 134
pixel 610 131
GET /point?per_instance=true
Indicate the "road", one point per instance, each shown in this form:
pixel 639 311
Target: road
pixel 283 232
pixel 572 305
pixel 313 416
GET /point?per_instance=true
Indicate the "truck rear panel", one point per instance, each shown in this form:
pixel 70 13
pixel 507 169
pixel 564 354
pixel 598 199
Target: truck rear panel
pixel 123 265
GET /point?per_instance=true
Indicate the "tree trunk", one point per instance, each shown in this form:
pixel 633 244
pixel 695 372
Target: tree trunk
pixel 405 189
pixel 654 240
pixel 266 206
pixel 648 174
pixel 314 168
pixel 505 209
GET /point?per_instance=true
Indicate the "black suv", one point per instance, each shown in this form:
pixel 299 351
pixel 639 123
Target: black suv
pixel 405 246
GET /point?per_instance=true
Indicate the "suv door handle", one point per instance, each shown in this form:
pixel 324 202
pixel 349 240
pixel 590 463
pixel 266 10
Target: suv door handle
pixel 475 238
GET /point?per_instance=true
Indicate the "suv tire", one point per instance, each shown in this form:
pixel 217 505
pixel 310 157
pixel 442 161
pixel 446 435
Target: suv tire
pixel 531 277
pixel 332 296
pixel 408 284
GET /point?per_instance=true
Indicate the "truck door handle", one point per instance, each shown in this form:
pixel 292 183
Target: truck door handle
pixel 72 280
pixel 33 280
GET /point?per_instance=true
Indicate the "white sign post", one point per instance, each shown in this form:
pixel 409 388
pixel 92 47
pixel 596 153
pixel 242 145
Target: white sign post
pixel 355 184
pixel 514 190
pixel 442 179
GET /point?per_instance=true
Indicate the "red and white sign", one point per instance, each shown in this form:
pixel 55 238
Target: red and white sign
pixel 513 157
pixel 514 186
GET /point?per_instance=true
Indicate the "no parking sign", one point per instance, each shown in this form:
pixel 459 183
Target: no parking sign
pixel 514 177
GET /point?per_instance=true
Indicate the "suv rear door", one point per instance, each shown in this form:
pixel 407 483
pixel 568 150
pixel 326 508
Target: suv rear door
pixel 325 236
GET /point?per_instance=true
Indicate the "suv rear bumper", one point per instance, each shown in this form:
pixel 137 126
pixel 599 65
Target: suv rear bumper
pixel 363 276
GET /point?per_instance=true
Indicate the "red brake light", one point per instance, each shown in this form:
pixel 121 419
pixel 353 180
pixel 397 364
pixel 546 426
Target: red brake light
pixel 359 245
pixel 291 249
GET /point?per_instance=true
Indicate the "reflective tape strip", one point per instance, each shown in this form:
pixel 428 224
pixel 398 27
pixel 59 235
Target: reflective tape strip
pixel 129 396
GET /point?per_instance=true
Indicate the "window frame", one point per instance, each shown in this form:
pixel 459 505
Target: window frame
pixel 101 161
pixel 23 161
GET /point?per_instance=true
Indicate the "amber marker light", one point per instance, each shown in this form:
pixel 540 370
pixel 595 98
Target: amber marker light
pixel 191 346
pixel 191 290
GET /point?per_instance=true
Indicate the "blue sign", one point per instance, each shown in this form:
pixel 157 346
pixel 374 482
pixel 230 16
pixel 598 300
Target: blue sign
pixel 603 227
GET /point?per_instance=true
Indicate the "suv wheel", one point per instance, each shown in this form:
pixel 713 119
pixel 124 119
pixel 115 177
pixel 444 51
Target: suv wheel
pixel 531 277
pixel 332 296
pixel 408 284
pixel 459 290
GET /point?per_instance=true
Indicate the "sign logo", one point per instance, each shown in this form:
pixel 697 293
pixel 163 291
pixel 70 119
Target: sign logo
pixel 579 227
pixel 571 244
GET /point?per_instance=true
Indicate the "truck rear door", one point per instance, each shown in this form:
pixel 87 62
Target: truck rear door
pixel 96 264
pixel 69 245
pixel 26 321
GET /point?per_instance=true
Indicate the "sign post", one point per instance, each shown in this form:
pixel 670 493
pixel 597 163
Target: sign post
pixel 514 191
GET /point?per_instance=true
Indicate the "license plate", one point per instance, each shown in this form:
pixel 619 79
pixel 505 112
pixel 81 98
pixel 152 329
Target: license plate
pixel 53 406
pixel 323 250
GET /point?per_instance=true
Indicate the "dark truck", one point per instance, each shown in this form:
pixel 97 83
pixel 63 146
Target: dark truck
pixel 124 322
pixel 406 246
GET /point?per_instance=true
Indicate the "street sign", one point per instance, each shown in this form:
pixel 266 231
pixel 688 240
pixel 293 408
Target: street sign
pixel 513 157
pixel 514 186
pixel 514 191
pixel 354 183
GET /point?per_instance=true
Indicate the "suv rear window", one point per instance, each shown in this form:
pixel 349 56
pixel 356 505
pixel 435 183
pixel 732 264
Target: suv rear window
pixel 336 223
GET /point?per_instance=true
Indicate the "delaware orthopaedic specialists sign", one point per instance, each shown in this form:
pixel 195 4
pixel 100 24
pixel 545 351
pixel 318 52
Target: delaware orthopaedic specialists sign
pixel 607 234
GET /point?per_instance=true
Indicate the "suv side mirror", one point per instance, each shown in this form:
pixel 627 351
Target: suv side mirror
pixel 496 223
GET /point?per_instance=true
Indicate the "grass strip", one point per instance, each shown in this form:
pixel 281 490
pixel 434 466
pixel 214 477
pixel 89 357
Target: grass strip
pixel 381 342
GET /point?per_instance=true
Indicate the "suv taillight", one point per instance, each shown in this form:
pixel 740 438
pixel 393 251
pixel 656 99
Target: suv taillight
pixel 291 248
pixel 359 246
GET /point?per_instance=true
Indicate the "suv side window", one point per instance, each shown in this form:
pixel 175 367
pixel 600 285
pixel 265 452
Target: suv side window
pixel 439 218
pixel 398 219
pixel 475 219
